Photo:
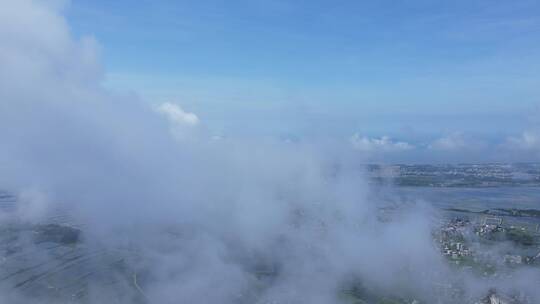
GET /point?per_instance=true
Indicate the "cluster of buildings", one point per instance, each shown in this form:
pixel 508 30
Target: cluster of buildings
pixel 453 245
pixel 489 226
pixel 451 239
pixel 455 250
pixel 513 259
pixel 522 259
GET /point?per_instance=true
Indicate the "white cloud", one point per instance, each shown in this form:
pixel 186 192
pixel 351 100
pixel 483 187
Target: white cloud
pixel 177 115
pixel 382 144
pixel 40 59
pixel 528 140
pixel 452 142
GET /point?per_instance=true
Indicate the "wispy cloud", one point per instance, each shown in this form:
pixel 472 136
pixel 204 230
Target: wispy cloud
pixel 382 144
pixel 177 115
pixel 452 142
pixel 528 140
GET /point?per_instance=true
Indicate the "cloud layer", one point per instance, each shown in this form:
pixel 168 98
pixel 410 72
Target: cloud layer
pixel 201 218
pixel 177 115
pixel 382 144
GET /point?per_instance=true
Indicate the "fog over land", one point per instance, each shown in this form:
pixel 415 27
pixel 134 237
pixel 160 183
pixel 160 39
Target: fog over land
pixel 200 219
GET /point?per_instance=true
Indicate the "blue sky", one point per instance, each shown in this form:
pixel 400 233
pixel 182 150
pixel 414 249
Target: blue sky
pixel 407 69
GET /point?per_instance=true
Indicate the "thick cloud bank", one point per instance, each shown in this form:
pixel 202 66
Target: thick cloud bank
pixel 203 216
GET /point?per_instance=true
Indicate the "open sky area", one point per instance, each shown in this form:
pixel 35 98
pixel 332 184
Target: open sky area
pixel 457 73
